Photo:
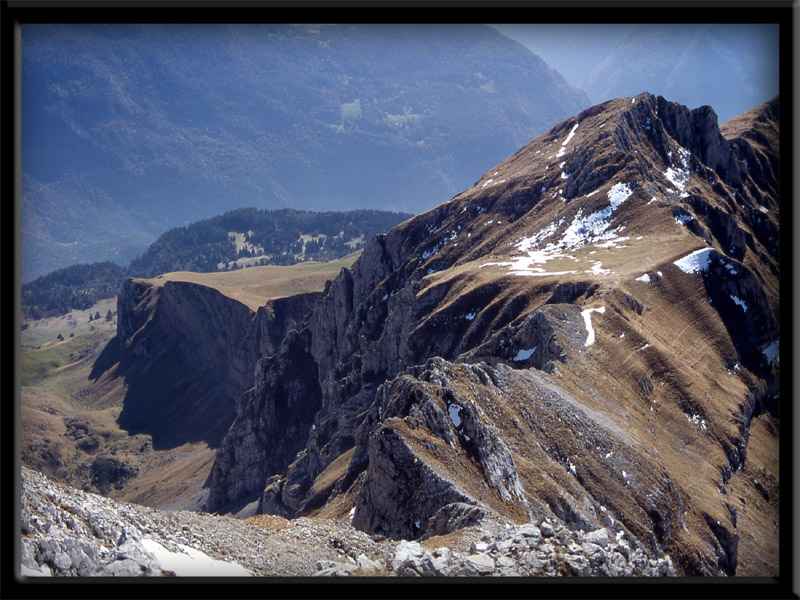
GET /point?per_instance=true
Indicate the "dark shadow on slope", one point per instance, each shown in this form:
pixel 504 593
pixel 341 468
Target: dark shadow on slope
pixel 169 395
pixel 744 308
pixel 108 359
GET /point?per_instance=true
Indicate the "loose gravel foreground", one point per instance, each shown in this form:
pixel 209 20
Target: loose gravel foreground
pixel 67 532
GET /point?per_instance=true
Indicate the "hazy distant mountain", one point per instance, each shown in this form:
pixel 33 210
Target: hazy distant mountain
pixel 129 130
pixel 732 67
pixel 572 49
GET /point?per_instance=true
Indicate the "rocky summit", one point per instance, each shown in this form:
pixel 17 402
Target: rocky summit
pixel 570 368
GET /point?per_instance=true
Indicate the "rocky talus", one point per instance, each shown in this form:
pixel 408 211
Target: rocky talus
pixel 66 532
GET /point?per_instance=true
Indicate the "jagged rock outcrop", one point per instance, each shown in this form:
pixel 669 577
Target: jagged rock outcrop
pixel 273 425
pixel 558 341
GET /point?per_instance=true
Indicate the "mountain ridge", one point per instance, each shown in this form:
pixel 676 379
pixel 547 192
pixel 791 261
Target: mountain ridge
pixel 587 337
pixel 417 293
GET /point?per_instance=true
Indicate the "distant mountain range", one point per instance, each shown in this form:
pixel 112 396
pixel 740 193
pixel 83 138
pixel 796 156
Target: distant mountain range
pixel 128 130
pixel 732 67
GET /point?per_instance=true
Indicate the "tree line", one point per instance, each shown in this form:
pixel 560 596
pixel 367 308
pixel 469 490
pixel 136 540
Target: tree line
pixel 73 288
pixel 273 238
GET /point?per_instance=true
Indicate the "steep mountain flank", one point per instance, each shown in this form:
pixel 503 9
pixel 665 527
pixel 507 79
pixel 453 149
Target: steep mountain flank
pixel 588 334
pixel 131 129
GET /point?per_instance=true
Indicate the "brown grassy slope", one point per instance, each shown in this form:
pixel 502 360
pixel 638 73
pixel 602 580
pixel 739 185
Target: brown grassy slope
pixel 255 285
pixel 667 366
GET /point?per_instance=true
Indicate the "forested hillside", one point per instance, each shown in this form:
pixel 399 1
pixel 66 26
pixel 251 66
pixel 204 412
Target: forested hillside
pixel 238 239
pixel 248 236
pixel 75 287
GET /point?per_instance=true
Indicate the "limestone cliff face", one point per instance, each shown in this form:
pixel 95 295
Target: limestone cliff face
pixel 564 339
pixel 188 353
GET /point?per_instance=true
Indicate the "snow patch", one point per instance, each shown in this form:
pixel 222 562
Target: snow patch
pixel 593 228
pixel 772 351
pixel 587 320
pixel 532 242
pixel 618 194
pixel 193 563
pixel 583 230
pixel 454 410
pixel 738 301
pixel 697 421
pixel 644 278
pixel 566 141
pixel 695 261
pixel 598 269
pixel 612 243
pixel 679 177
pixel 541 273
pixel 524 354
